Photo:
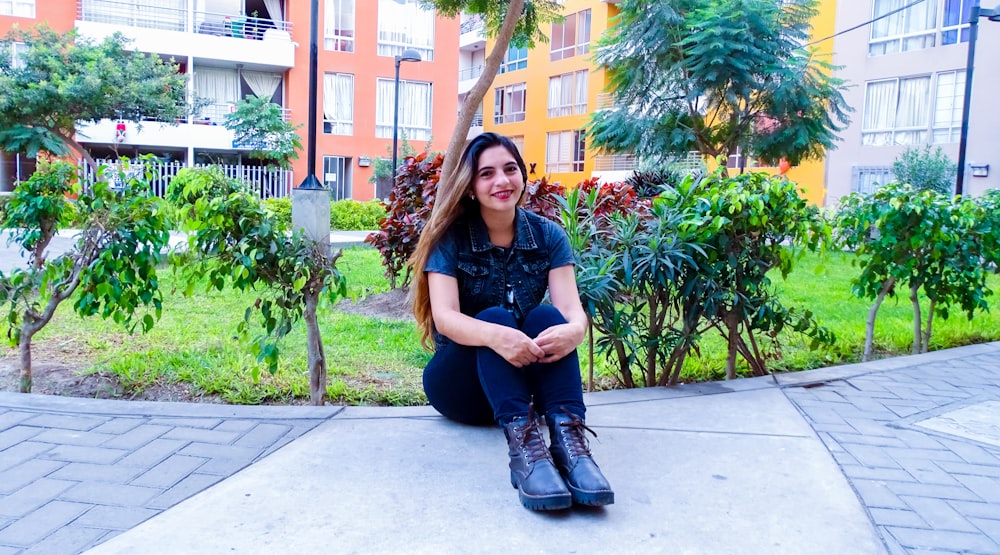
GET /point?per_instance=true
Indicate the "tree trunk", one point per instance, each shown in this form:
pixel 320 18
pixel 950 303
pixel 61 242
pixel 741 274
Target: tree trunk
pixel 917 319
pixel 590 355
pixel 69 140
pixel 870 323
pixel 927 329
pixel 651 347
pixel 732 325
pixel 475 96
pixel 623 364
pixel 316 359
pixel 25 355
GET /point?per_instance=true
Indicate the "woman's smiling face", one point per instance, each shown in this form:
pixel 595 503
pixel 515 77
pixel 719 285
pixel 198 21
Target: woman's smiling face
pixel 498 183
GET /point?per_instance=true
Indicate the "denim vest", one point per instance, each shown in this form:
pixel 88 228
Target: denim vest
pixel 488 276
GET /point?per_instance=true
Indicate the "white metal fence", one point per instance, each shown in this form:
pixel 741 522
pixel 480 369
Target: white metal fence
pixel 265 182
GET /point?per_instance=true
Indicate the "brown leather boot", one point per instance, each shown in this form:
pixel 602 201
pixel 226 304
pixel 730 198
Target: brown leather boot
pixel 571 452
pixel 532 471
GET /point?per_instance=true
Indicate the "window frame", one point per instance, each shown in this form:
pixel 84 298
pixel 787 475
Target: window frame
pixel 579 42
pixel 383 129
pixel 387 45
pixel 31 5
pixel 575 107
pixel 574 149
pixel 869 135
pixel 342 38
pixel 344 163
pixel 510 64
pixel 503 98
pixel 338 126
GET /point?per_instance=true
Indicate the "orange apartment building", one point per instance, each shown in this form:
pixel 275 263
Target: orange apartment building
pixel 234 48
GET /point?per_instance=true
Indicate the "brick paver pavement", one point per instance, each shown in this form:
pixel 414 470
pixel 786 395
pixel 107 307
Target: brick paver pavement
pixel 73 478
pixel 927 490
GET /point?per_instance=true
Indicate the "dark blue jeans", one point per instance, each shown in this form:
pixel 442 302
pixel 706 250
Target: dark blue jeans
pixel 475 385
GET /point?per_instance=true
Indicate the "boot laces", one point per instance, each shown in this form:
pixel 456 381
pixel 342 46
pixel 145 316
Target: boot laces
pixel 533 445
pixel 575 440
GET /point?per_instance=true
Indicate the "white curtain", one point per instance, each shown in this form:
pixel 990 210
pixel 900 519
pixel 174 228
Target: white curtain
pixel 273 8
pixel 580 103
pixel 338 103
pixel 913 110
pixel 555 95
pixel 220 86
pixel 338 25
pixel 880 112
pixel 262 83
pixel 405 24
pixel 888 26
pixel 414 109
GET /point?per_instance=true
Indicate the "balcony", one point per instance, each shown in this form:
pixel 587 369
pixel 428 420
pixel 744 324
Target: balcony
pixel 476 127
pixel 265 182
pixel 473 34
pixel 467 78
pixel 255 42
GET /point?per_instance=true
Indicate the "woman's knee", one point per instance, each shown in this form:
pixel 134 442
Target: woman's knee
pixel 541 318
pixel 497 315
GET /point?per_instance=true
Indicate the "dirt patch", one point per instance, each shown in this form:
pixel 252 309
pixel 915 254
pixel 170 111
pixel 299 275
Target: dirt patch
pixel 391 305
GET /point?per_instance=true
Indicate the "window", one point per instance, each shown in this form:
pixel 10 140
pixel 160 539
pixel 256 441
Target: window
pixel 337 176
pixel 924 25
pixel 18 8
pixel 338 104
pixel 736 160
pixel 405 24
pixel 515 59
pixel 866 180
pixel 568 94
pixel 897 111
pixel 338 25
pixel 955 26
pixel 564 151
pixel 415 107
pixel 15 52
pixel 948 102
pixel 571 37
pixel 509 103
pixel 518 141
pixel 904 112
pixel 911 29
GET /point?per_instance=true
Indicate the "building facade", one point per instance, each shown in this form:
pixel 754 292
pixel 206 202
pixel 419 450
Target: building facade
pixel 543 98
pixel 231 49
pixel 907 72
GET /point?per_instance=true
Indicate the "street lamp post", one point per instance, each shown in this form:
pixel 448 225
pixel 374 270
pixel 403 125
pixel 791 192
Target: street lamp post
pixel 408 55
pixel 310 182
pixel 992 15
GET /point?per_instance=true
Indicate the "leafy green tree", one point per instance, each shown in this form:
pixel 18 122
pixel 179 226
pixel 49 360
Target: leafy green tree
pixel 507 22
pixel 61 79
pixel 240 242
pixel 112 266
pixel 923 241
pixel 259 124
pixel 925 170
pixel 716 76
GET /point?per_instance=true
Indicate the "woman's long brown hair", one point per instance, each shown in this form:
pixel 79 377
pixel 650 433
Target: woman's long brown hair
pixel 452 201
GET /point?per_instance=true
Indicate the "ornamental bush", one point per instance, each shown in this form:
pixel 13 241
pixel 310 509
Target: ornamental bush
pixel 352 215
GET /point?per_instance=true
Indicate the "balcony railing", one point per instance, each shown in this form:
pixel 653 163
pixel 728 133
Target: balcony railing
pixel 215 113
pixel 614 162
pixel 148 15
pixel 471 24
pixel 470 73
pixel 477 120
pixel 265 182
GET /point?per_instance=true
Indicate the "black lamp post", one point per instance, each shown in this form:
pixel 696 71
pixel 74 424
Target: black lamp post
pixel 408 55
pixel 992 15
pixel 310 182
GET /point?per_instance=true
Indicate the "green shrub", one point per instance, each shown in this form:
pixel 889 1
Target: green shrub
pixel 350 215
pixel 280 208
pixel 4 197
pixel 925 170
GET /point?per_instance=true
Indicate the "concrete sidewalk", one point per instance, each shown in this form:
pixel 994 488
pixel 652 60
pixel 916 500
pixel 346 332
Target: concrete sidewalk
pixel 896 456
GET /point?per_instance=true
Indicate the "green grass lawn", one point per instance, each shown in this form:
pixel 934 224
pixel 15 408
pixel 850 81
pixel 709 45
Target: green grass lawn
pixel 375 361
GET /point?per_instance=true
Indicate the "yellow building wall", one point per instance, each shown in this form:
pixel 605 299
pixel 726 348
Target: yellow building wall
pixel 809 175
pixel 537 124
